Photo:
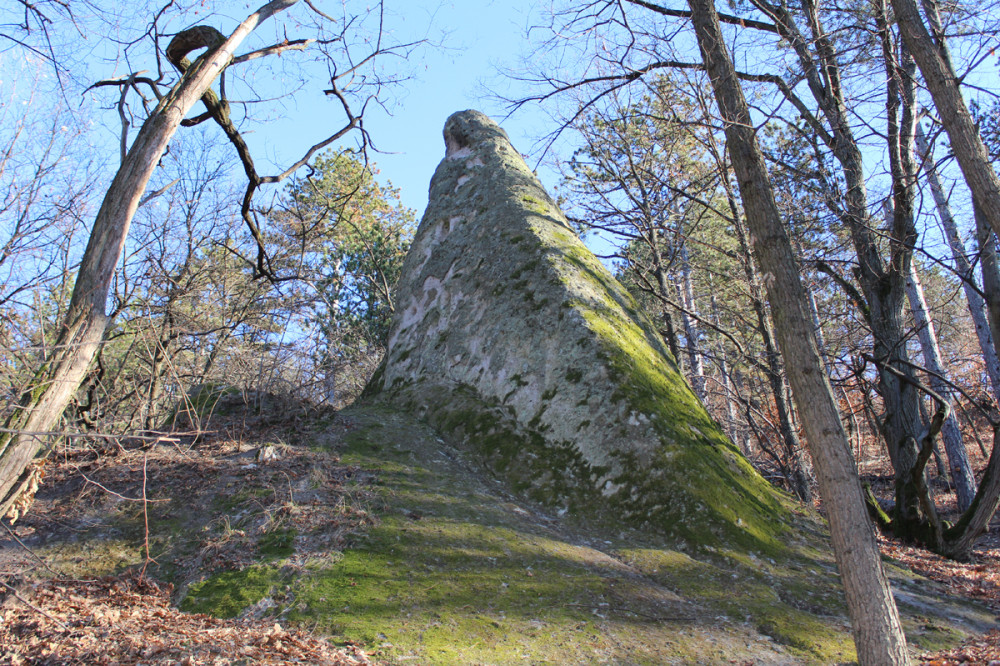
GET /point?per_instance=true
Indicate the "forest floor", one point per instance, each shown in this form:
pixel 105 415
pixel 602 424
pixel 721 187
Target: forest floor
pixel 978 579
pixel 74 589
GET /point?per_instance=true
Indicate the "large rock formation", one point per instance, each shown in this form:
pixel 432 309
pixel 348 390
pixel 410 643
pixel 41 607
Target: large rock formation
pixel 515 342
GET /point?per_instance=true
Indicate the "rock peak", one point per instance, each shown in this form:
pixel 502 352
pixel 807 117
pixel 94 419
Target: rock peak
pixel 464 129
pixel 517 344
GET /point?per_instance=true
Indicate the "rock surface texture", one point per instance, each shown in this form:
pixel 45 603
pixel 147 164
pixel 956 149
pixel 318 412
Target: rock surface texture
pixel 514 341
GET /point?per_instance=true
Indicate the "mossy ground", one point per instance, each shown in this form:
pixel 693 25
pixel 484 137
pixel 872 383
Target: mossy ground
pixel 457 571
pixel 229 593
pixel 447 567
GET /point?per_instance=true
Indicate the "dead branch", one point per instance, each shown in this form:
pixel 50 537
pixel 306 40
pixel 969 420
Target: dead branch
pixel 118 495
pixel 88 435
pixel 293 45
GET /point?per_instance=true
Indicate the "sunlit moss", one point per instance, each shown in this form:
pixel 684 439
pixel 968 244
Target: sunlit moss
pixel 229 593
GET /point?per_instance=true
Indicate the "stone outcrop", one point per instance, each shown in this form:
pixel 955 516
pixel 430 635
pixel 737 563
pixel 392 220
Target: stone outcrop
pixel 514 341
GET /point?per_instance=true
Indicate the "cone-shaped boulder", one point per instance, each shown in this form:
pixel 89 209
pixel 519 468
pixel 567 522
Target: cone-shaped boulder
pixel 516 343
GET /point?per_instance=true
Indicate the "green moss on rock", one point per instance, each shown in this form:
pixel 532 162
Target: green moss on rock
pixel 549 371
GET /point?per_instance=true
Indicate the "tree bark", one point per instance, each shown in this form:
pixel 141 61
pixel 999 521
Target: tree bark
pixel 989 265
pixel 931 55
pixel 878 634
pixel 86 320
pixel 951 434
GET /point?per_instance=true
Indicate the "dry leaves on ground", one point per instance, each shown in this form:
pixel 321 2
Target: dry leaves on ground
pixel 978 580
pixel 983 650
pixel 129 620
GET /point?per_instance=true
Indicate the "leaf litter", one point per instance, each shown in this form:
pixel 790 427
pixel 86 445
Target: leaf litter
pixel 128 619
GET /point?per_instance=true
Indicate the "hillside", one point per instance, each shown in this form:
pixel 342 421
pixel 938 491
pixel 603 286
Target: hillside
pixel 365 526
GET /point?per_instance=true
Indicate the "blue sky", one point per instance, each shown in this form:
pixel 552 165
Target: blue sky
pixel 477 38
pixel 480 37
pixel 468 42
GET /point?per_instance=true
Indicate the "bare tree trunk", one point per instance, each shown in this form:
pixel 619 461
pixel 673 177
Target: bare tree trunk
pixel 83 329
pixel 157 367
pixel 989 265
pixel 958 458
pixel 878 634
pixel 931 53
pixel 962 266
pixel 696 358
pixel 659 272
pixel 732 428
pixel 854 427
pixel 882 279
pixel 958 540
pixel 798 465
pixel 814 314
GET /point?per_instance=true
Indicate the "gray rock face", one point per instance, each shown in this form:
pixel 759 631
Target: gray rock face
pixel 514 341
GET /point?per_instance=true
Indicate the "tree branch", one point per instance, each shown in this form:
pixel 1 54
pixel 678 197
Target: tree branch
pixel 848 288
pixel 723 18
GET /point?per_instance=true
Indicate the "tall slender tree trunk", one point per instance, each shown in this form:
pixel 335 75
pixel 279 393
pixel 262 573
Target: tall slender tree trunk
pixel 878 634
pixel 931 54
pixel 854 426
pixel 963 268
pixel 696 359
pixel 817 324
pixel 951 434
pixel 989 266
pixel 726 383
pixel 660 273
pixel 157 367
pixel 797 464
pixel 902 122
pixel 66 366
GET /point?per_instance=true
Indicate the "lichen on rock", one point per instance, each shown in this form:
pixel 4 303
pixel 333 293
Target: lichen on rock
pixel 513 340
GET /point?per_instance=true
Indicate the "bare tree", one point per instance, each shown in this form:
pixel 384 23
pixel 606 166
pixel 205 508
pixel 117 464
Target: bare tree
pixel 951 434
pixel 963 267
pixel 44 198
pixel 878 634
pixel 927 43
pixel 84 325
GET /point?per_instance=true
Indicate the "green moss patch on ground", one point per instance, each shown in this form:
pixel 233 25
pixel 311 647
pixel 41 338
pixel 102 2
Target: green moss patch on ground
pixel 456 571
pixel 229 593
